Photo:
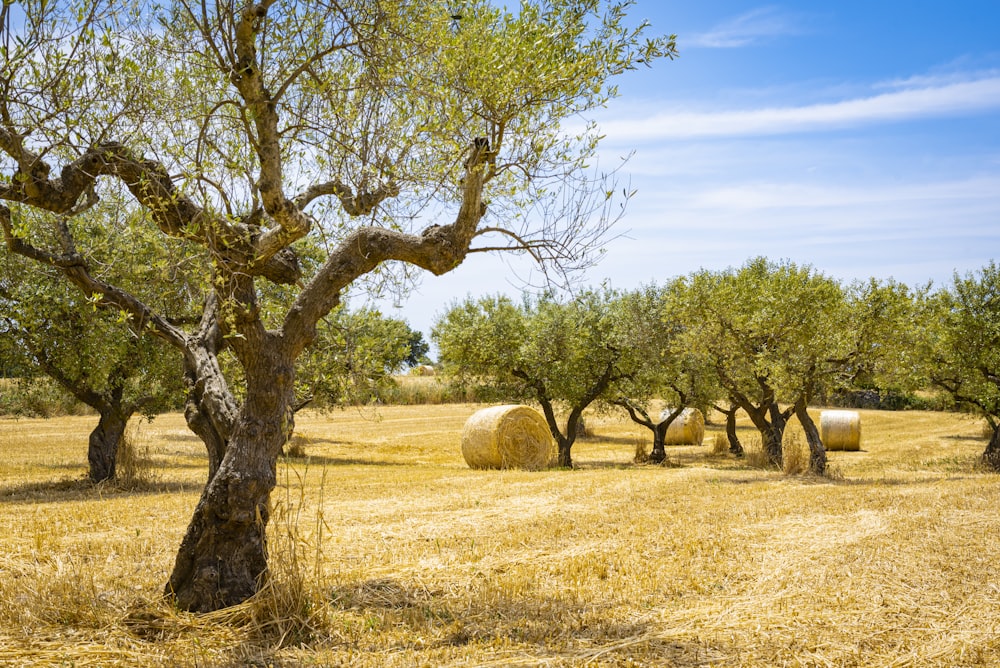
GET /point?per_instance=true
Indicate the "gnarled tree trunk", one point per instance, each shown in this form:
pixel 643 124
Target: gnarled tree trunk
pixel 223 556
pixel 991 456
pixel 659 453
pixel 735 447
pixel 102 450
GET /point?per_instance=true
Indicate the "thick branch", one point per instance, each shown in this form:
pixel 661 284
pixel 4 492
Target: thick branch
pixel 438 249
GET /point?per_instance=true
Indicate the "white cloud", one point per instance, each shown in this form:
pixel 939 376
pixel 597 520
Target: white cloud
pixel 954 99
pixel 754 26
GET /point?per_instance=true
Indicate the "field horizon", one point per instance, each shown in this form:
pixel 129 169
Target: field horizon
pixel 387 550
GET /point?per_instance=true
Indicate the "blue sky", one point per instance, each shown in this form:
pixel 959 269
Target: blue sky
pixel 862 138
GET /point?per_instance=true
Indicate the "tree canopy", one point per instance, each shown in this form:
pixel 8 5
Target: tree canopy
pixel 960 347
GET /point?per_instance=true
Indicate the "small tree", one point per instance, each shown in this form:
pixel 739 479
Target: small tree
pixel 882 337
pixel 96 355
pixel 566 354
pixel 353 357
pixel 771 332
pixel 667 369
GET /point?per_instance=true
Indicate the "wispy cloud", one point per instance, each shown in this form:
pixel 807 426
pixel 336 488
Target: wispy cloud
pixel 754 26
pixel 955 99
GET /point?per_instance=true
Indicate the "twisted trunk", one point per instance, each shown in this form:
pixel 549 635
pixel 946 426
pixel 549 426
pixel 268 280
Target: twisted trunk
pixel 991 456
pixel 735 447
pixel 222 559
pixel 659 453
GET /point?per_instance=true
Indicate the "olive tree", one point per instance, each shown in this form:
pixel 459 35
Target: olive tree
pixel 98 356
pixel 960 347
pixel 772 332
pixel 665 369
pixel 100 362
pixel 377 130
pixel 560 354
pixel 882 338
pixel 353 357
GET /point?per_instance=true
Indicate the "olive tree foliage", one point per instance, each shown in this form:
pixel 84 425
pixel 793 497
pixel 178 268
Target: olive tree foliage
pixel 563 355
pixel 664 368
pixel 98 356
pixel 772 333
pixel 882 337
pixel 368 128
pixel 353 358
pixel 959 331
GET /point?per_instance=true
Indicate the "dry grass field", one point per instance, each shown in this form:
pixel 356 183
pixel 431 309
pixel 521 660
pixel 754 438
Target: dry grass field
pixel 389 551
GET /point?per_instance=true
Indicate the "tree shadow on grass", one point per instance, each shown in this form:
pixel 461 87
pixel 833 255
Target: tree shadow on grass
pixel 82 489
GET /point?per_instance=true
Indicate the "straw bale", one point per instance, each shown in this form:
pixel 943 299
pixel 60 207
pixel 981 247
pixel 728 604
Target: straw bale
pixel 688 428
pixel 509 436
pixel 840 430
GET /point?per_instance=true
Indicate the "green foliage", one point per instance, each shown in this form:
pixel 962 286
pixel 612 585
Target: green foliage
pixel 666 366
pixel 353 358
pixel 959 330
pixel 96 354
pixel 767 327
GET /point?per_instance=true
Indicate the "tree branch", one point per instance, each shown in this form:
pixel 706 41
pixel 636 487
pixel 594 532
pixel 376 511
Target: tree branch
pixel 439 249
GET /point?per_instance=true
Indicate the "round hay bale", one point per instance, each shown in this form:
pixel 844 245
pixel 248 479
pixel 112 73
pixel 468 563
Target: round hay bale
pixel 840 430
pixel 507 437
pixel 688 428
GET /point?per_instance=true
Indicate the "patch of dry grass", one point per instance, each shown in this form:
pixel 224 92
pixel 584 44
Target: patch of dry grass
pixel 389 551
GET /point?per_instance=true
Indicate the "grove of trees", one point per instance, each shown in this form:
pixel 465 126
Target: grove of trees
pixel 768 338
pixel 190 192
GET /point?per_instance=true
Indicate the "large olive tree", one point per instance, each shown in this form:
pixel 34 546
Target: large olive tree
pixel 383 130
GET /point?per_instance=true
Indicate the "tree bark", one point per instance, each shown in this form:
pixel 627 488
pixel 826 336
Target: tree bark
pixel 776 434
pixel 102 452
pixel 770 422
pixel 817 453
pixel 222 560
pixel 991 456
pixel 659 453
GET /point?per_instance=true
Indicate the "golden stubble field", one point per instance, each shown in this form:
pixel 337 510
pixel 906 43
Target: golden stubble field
pixel 389 551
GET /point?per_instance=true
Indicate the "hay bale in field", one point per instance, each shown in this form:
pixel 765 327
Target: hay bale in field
pixel 840 430
pixel 688 428
pixel 506 437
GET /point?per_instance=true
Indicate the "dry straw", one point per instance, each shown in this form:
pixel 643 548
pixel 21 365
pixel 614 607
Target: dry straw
pixel 505 437
pixel 688 428
pixel 840 430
